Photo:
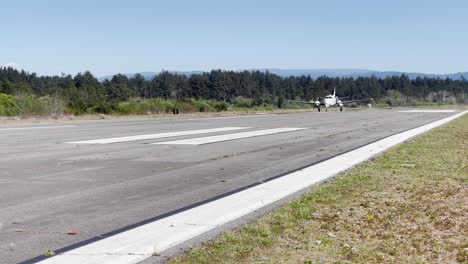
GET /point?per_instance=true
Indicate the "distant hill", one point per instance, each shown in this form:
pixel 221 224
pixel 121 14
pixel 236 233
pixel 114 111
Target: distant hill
pixel 150 75
pixel 315 73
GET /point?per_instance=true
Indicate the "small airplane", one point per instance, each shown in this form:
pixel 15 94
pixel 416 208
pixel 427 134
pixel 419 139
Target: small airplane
pixel 331 100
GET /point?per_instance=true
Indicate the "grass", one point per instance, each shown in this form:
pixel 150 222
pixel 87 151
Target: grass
pixel 407 206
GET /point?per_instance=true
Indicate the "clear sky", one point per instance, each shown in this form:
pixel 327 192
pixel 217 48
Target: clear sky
pixel 111 36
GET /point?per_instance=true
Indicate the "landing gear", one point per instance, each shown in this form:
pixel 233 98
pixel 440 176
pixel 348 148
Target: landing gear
pixel 341 109
pixel 326 109
pixel 318 108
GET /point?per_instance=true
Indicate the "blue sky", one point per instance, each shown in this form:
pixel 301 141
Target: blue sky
pixel 107 37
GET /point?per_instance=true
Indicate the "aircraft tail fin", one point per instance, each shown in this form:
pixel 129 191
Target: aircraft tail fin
pixel 334 91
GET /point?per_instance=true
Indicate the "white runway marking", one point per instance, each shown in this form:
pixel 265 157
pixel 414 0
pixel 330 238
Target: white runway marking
pixel 142 242
pixel 214 139
pixel 427 111
pixel 40 127
pixel 6 181
pixel 155 136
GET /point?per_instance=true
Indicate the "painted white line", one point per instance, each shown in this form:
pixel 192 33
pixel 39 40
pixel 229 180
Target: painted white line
pixel 214 139
pixel 155 136
pixel 40 127
pixel 8 181
pixel 140 243
pixel 5 181
pixel 427 111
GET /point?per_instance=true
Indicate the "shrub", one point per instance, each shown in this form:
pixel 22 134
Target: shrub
pixel 30 104
pixel 188 107
pixel 159 105
pixel 203 105
pixel 243 102
pixel 103 108
pixel 221 106
pixel 280 102
pixel 156 105
pixel 54 104
pixel 8 107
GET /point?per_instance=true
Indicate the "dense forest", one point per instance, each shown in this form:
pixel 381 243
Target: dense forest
pixel 84 93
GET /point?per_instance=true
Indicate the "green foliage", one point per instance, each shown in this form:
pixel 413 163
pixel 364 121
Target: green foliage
pixel 147 106
pixel 159 105
pixel 6 87
pixel 221 106
pixel 54 104
pixel 7 105
pixel 242 102
pixel 395 98
pixel 102 107
pixel 30 104
pixel 214 91
pixel 280 102
pixel 203 107
pixel 9 87
pixel 119 92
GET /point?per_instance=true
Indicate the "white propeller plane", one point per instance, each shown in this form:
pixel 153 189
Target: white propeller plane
pixel 331 100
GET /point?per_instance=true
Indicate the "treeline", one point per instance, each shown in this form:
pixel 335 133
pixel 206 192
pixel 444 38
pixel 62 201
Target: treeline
pixel 85 93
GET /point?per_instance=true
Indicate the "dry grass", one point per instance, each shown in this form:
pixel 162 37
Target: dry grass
pixel 407 206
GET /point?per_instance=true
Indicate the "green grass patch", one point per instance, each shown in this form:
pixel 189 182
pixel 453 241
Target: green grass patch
pixel 406 206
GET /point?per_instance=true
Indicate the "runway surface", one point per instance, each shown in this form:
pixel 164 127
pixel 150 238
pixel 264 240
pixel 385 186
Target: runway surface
pixel 64 183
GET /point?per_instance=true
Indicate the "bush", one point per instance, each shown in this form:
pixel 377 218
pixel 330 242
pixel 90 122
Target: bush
pixel 104 108
pixel 156 105
pixel 30 104
pixel 280 102
pixel 221 106
pixel 203 105
pixel 188 107
pixel 54 104
pixel 243 102
pixel 8 107
pixel 159 105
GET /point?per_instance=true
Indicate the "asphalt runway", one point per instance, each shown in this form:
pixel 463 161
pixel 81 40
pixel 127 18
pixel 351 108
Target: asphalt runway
pixel 64 183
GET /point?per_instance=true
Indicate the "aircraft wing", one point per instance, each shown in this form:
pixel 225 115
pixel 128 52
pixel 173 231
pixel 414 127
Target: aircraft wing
pixel 356 101
pixel 301 102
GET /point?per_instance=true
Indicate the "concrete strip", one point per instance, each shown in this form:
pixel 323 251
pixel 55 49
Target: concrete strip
pixel 39 127
pixel 140 243
pixel 220 138
pixel 156 136
pixel 427 111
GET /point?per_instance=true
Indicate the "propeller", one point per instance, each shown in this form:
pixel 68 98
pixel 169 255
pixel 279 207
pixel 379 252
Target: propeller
pixel 339 102
pixel 317 102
